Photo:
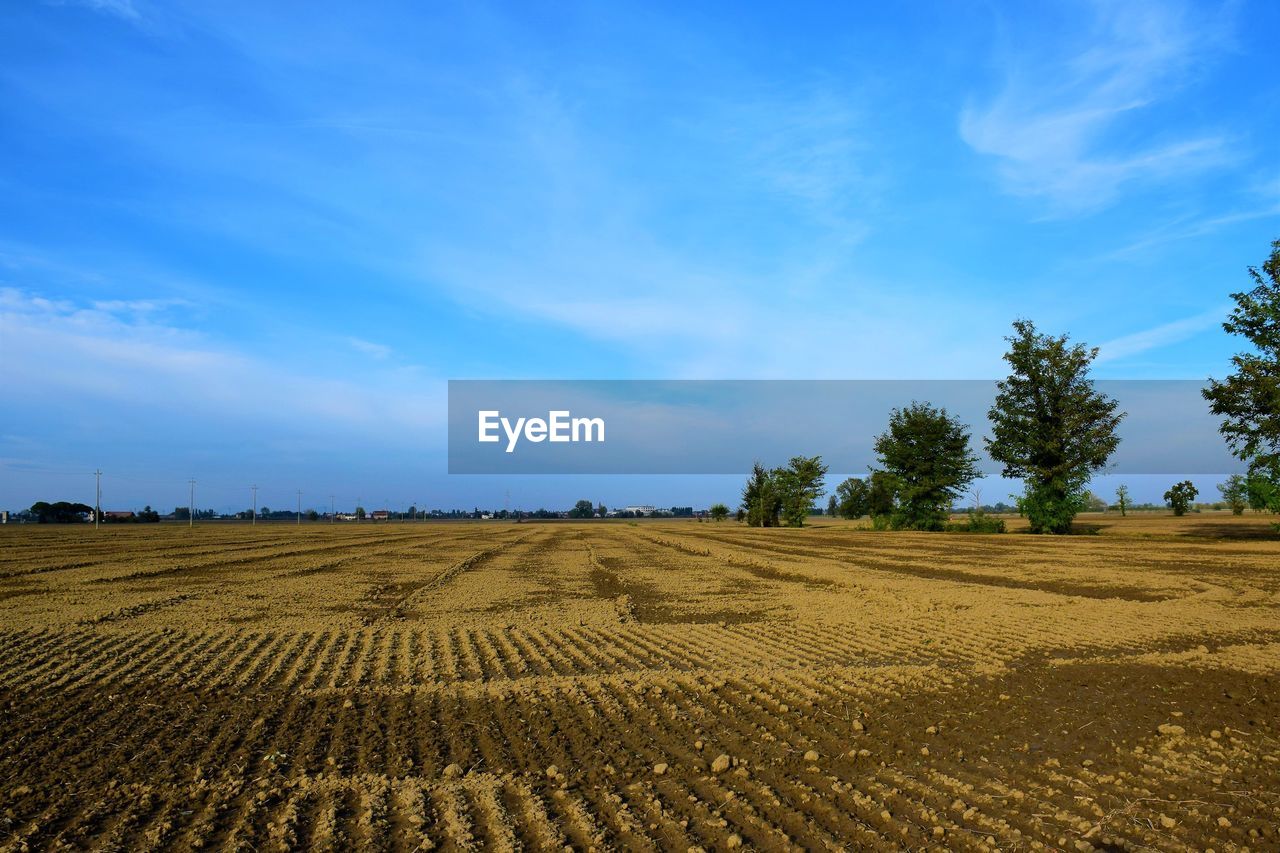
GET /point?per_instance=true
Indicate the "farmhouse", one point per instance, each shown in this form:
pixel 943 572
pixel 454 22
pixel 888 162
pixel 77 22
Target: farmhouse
pixel 112 515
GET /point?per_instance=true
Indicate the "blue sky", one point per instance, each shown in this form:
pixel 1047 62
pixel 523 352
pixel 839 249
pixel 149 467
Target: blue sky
pixel 251 242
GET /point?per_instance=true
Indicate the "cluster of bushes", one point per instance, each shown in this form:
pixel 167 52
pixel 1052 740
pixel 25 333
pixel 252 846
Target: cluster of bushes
pixel 774 496
pixel 67 512
pixel 60 512
pixel 976 521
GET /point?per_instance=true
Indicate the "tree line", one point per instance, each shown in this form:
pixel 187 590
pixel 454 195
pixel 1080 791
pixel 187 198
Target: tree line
pixel 1050 428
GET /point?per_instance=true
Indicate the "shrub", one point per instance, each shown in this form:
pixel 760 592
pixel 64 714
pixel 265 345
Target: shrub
pixel 977 522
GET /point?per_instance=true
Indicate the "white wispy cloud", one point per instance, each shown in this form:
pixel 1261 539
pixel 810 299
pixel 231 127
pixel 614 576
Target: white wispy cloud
pixel 1161 336
pixel 58 349
pixel 1189 228
pixel 1054 127
pixel 124 9
pixel 369 348
pixel 812 146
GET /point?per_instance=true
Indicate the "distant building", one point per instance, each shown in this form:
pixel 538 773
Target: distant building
pixel 380 515
pixel 643 509
pixel 4 516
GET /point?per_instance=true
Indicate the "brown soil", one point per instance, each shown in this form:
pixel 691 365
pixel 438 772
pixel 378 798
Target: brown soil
pixel 498 686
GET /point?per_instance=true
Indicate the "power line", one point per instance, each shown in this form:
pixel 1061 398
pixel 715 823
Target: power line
pixel 254 489
pixel 299 506
pixel 97 500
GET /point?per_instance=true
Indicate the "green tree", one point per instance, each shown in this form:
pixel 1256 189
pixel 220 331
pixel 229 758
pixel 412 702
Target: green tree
pixel 1093 503
pixel 1263 492
pixel 1235 492
pixel 582 509
pixel 360 513
pixel 1180 496
pixel 761 498
pixel 833 506
pixel 1249 399
pixel 1122 499
pixel 60 512
pixel 854 498
pixel 927 452
pixel 719 512
pixel 882 494
pixel 602 510
pixel 1050 427
pixel 800 484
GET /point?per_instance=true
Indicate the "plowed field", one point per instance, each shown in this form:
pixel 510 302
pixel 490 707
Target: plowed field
pixel 638 686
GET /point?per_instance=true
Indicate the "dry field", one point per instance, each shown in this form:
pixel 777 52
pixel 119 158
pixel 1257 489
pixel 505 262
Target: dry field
pixel 655 685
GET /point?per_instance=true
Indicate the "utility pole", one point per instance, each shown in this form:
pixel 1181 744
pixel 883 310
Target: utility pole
pixel 97 501
pixel 359 500
pixel 255 505
pixel 333 513
pixel 299 506
pixel 191 506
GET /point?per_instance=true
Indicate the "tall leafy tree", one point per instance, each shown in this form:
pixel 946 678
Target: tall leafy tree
pixel 1263 493
pixel 1050 426
pixel 882 494
pixel 927 452
pixel 761 498
pixel 719 512
pixel 1235 492
pixel 772 496
pixel 1180 496
pixel 833 507
pixel 800 484
pixel 854 498
pixel 1249 399
pixel 1122 499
